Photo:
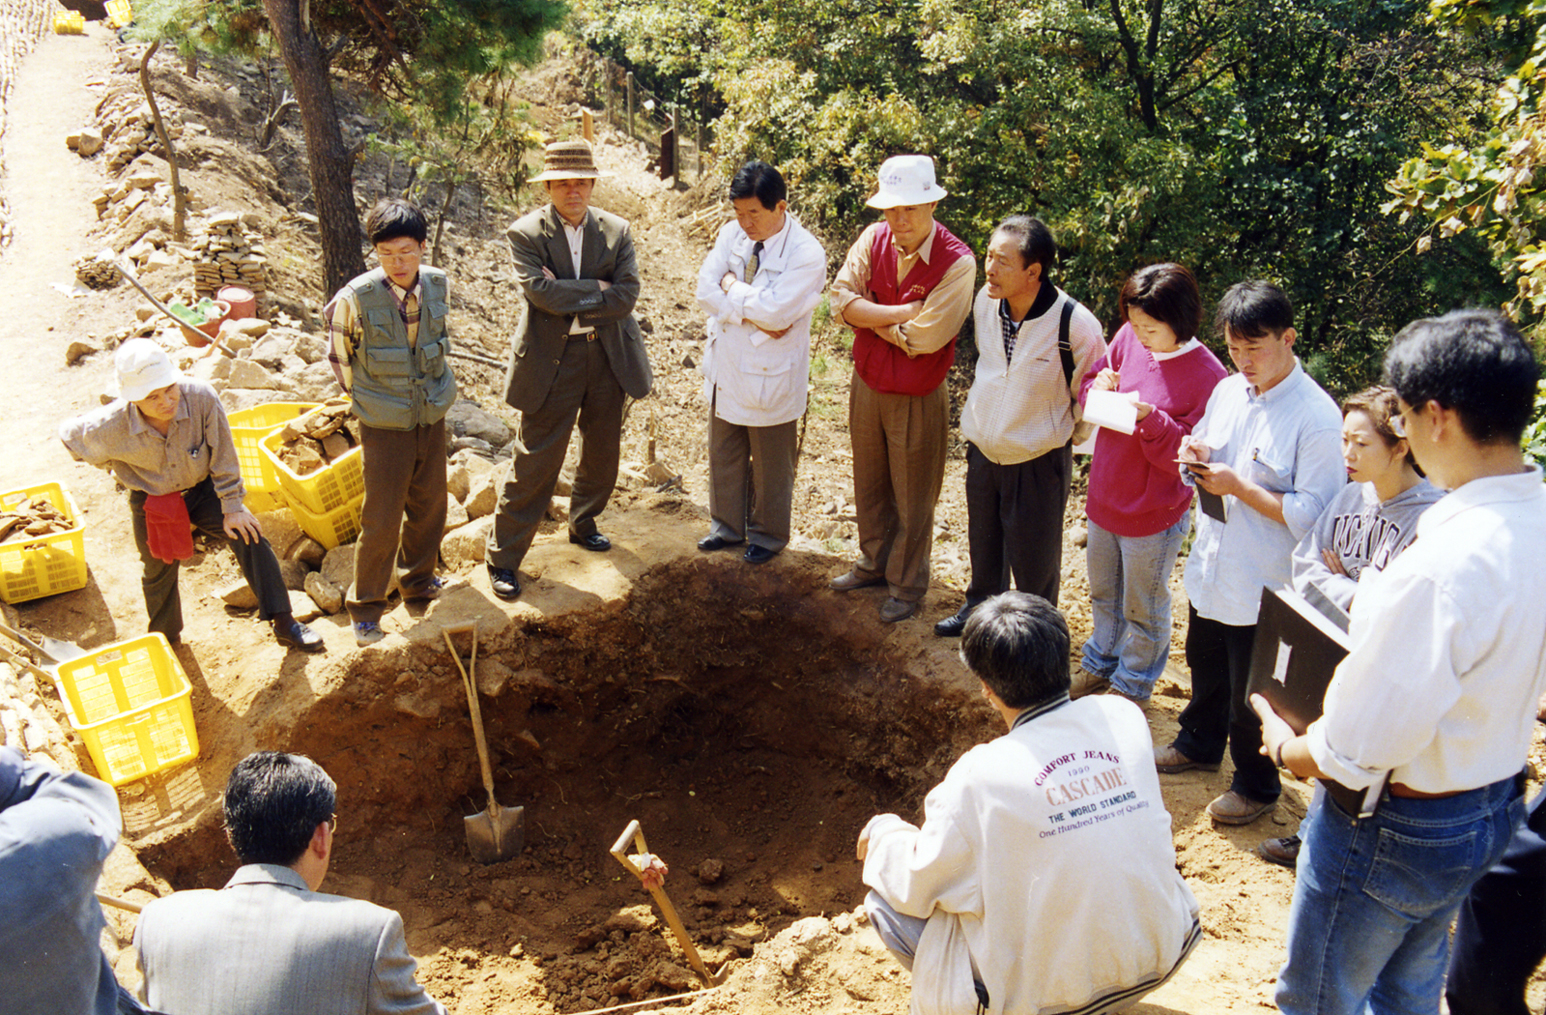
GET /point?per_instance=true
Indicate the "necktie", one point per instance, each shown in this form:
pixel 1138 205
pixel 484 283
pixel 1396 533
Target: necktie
pixel 753 262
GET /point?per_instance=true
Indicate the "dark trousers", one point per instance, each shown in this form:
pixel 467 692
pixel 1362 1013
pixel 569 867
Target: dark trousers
pixel 1219 656
pixel 587 390
pixel 163 603
pixel 751 481
pixel 1500 936
pixel 403 517
pixel 1014 523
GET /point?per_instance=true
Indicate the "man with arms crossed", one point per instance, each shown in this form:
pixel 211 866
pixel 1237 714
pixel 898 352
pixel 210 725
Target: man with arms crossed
pixel 759 286
pixel 1019 418
pixel 1044 877
pixel 1436 699
pixel 269 943
pixel 1270 444
pixel 577 354
pixel 905 289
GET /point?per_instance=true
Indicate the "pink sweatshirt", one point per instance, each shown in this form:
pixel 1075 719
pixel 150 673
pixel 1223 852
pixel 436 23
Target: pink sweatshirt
pixel 1135 485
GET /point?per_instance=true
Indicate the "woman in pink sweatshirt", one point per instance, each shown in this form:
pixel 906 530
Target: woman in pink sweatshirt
pixel 1138 508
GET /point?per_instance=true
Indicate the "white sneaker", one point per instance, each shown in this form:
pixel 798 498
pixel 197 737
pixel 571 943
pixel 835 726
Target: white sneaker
pixel 367 632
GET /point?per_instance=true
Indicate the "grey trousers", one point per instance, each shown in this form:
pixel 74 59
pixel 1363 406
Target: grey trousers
pixel 585 390
pixel 163 601
pixel 751 481
pixel 1014 523
pixel 899 467
pixel 403 517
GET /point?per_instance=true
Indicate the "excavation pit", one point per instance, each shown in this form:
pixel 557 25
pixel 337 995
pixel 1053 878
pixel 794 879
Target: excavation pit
pixel 751 720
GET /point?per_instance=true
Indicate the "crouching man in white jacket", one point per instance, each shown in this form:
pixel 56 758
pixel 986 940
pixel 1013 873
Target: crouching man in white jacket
pixel 1044 877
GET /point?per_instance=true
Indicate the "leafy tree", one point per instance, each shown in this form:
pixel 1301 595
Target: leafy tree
pixel 423 53
pixel 1241 138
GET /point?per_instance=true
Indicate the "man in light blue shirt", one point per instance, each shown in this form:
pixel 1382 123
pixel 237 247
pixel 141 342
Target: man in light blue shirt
pixel 1269 444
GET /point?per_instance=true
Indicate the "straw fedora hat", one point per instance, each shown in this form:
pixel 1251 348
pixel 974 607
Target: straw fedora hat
pixel 568 160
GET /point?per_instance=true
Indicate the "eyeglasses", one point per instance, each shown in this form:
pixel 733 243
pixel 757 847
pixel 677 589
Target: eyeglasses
pixel 332 823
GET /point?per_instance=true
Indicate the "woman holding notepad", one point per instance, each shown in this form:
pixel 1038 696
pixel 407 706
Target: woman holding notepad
pixel 1147 393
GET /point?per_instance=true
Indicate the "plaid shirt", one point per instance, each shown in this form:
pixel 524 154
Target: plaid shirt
pixel 1011 330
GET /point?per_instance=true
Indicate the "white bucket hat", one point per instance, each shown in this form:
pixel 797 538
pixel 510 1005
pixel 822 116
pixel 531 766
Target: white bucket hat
pixel 143 367
pixel 906 179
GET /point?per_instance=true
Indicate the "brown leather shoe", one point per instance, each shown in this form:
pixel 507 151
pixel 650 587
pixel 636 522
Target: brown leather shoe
pixel 1085 682
pixel 1238 809
pixel 893 610
pixel 853 580
pixel 1284 851
pixel 1170 761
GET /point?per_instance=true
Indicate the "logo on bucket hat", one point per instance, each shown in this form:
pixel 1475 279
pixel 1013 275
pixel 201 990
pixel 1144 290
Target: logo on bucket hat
pixel 142 367
pixel 906 180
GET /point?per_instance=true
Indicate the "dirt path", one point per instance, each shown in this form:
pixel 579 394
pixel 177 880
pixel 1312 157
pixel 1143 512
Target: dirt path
pixel 49 189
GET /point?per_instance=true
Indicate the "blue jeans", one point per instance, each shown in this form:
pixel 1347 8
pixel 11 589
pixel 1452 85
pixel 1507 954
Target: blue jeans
pixel 1130 603
pixel 1373 899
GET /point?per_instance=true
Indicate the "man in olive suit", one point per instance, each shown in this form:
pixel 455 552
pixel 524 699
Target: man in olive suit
pixel 577 354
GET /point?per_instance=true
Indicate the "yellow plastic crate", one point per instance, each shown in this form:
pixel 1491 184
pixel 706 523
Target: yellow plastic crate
pixel 330 528
pixel 120 13
pixel 69 23
pixel 329 488
pixel 47 565
pixel 130 702
pixel 248 428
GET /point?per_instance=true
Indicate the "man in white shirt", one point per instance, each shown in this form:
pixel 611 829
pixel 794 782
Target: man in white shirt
pixel 1044 877
pixel 1270 445
pixel 1019 418
pixel 1436 699
pixel 759 286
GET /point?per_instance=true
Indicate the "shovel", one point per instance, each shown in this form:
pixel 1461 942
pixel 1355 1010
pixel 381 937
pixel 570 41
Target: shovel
pixel 499 832
pixel 52 652
pixel 129 277
pixel 620 850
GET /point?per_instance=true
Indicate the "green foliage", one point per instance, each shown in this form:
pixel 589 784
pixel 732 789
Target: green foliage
pixel 1535 433
pixel 1483 181
pixel 1239 138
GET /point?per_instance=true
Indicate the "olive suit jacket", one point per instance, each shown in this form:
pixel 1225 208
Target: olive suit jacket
pixel 537 241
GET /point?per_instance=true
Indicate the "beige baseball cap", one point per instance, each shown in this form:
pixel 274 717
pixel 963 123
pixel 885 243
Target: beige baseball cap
pixel 143 367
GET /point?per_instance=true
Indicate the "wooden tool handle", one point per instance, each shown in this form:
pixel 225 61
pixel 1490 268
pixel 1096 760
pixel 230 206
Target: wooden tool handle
pixel 477 719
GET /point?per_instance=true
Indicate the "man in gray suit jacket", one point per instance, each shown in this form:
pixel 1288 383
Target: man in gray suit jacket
pixel 268 943
pixel 577 353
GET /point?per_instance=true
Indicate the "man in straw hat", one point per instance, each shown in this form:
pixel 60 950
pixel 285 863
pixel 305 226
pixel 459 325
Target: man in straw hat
pixel 577 353
pixel 167 439
pixel 904 289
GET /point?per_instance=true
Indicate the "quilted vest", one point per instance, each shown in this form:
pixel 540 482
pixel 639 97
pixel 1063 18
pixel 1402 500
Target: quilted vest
pixel 883 366
pixel 395 386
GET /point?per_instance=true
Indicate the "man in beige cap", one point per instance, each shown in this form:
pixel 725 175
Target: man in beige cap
pixel 577 353
pixel 166 438
pixel 904 289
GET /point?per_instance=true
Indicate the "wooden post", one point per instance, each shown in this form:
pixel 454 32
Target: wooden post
pixel 606 89
pixel 587 126
pixel 629 100
pixel 676 151
pixel 700 144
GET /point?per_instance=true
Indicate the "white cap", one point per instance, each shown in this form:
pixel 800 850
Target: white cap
pixel 143 367
pixel 904 180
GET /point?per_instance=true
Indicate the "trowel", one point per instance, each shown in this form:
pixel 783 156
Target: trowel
pixel 497 833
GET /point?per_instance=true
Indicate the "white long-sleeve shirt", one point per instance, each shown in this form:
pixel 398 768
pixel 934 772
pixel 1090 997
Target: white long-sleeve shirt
pixel 1045 863
pixel 1448 648
pixel 751 379
pixel 1287 440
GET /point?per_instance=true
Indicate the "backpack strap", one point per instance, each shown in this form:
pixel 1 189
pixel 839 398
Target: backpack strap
pixel 1065 350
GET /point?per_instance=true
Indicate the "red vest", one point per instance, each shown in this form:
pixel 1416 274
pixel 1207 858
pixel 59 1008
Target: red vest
pixel 881 365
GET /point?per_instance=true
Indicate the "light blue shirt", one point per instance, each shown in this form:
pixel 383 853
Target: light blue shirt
pixel 1288 441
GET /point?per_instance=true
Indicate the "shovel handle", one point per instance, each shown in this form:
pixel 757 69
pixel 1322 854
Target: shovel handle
pixel 117 903
pixel 477 717
pixel 619 850
pixel 129 276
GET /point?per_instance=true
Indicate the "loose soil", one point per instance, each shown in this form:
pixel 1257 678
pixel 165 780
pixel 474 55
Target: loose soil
pixel 750 719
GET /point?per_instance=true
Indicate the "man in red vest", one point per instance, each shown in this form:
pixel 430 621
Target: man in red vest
pixel 904 289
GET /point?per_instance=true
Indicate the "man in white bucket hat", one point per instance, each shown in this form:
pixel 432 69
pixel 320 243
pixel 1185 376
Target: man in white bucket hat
pixel 904 289
pixel 577 353
pixel 167 439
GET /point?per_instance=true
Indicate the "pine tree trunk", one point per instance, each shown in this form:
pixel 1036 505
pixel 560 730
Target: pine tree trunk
pixel 331 164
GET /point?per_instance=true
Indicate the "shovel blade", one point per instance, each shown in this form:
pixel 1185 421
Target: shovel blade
pixel 496 834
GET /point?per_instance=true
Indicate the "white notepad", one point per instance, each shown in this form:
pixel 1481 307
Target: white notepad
pixel 1112 410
